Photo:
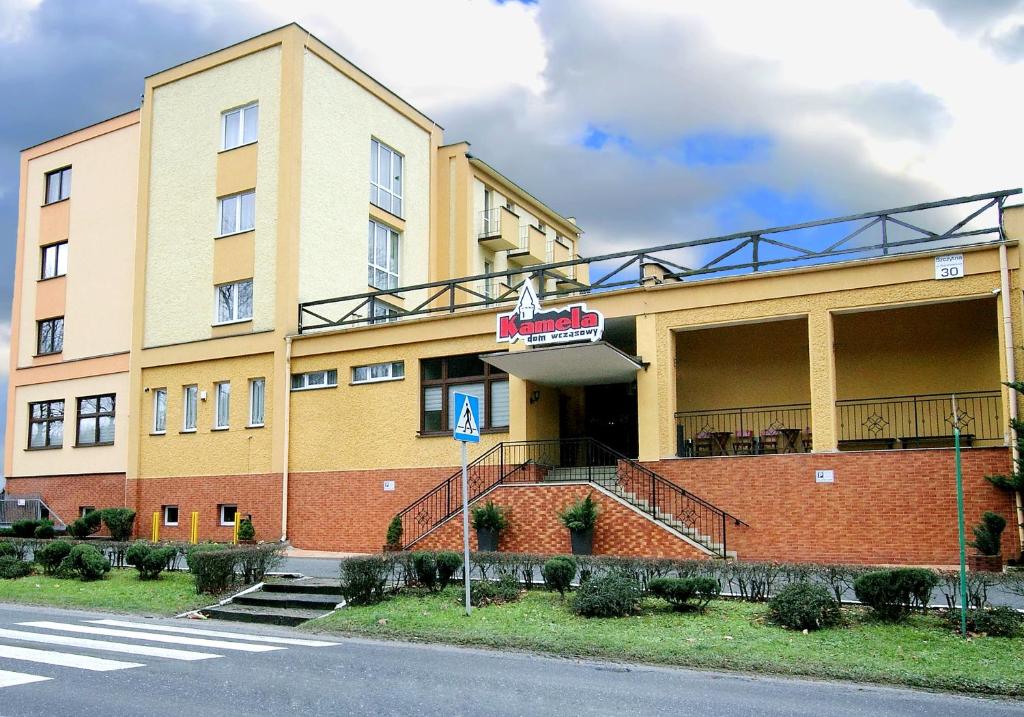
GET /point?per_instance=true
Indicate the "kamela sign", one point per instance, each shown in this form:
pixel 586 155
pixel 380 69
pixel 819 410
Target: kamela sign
pixel 529 323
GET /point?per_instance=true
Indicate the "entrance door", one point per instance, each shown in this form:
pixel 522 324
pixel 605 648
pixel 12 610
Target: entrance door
pixel 611 417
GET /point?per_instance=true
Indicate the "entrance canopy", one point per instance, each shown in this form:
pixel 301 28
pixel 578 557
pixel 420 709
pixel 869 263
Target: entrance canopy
pixel 568 365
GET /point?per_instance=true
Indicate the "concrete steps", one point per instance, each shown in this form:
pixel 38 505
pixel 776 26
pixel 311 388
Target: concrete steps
pixel 282 602
pixel 288 617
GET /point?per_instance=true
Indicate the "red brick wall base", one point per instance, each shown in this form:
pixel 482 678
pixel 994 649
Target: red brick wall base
pixel 66 494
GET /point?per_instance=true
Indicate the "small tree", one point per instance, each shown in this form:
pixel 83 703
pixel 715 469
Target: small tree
pixel 1015 480
pixel 988 534
pixel 393 541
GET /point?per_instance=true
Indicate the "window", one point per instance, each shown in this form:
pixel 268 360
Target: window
pixel 54 260
pixel 96 420
pixel 46 424
pixel 314 379
pixel 383 255
pixel 50 336
pixel 234 302
pixel 383 312
pixel 378 372
pixel 170 515
pixel 239 126
pixel 489 281
pixel 257 401
pixel 238 213
pixel 190 406
pixel 58 185
pixel 227 514
pixel 443 377
pixel 385 178
pixel 160 410
pixel 222 406
pixel 84 510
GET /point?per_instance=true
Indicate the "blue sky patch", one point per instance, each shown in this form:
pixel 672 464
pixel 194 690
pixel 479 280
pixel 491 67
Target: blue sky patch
pixel 702 149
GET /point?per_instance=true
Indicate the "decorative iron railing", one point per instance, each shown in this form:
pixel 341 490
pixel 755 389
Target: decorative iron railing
pixel 922 420
pixel 581 459
pixel 878 233
pixel 745 430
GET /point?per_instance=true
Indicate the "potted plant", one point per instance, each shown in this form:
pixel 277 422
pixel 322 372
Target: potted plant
pixel 987 541
pixel 580 518
pixel 246 531
pixel 393 539
pixel 488 521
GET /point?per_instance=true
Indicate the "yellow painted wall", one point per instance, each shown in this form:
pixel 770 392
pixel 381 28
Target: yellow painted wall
pixel 207 452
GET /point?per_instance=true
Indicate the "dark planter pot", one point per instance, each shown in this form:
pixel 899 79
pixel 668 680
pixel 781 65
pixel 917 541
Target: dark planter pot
pixel 487 539
pixel 582 541
pixel 985 563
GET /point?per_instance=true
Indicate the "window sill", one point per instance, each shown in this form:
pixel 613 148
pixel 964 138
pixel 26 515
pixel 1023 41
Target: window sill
pixel 234 234
pixel 237 146
pixel 376 380
pixel 170 525
pixel 232 323
pixel 188 430
pixel 49 353
pixel 45 448
pixel 50 204
pixel 437 434
pixel 227 525
pixel 93 445
pixel 218 429
pixel 255 425
pixel 51 278
pixel 314 388
pixel 158 433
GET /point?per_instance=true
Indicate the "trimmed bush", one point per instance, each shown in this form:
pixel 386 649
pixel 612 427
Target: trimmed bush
pixel 804 606
pixel 893 594
pixel 363 580
pixel 149 560
pixel 612 595
pixel 425 566
pixel 6 549
pixel 254 562
pixel 393 540
pixel 686 593
pixel 448 563
pixel 988 534
pixel 44 531
pixel 78 529
pixel 87 562
pixel 999 621
pixel 120 522
pixel 246 530
pixel 85 526
pixel 559 573
pixel 50 556
pixel 11 568
pixel 24 528
pixel 212 566
pixel 487 592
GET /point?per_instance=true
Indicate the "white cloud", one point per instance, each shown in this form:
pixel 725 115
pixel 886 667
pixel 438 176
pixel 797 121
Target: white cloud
pixel 16 18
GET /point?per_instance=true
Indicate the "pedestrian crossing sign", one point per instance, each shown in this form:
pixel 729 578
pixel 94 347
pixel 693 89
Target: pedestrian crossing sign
pixel 467 418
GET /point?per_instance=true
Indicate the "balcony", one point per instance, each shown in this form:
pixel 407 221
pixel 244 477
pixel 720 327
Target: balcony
pixel 531 248
pixel 556 251
pixel 499 229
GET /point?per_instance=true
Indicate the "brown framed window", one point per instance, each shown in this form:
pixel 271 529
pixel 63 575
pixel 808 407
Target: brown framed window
pixel 53 260
pixel 441 378
pixel 46 424
pixel 96 420
pixel 50 336
pixel 58 185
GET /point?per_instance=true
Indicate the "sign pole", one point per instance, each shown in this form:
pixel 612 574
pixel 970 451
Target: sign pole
pixel 465 526
pixel 467 430
pixel 960 521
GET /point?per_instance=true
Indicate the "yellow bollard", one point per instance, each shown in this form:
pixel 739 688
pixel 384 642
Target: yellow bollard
pixel 156 527
pixel 194 537
pixel 234 534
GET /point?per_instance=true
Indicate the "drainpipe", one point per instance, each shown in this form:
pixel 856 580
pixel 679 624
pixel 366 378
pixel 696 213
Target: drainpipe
pixel 287 406
pixel 1011 373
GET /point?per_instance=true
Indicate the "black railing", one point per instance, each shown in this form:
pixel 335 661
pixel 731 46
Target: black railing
pixel 920 421
pixel 877 233
pixel 745 430
pixel 578 459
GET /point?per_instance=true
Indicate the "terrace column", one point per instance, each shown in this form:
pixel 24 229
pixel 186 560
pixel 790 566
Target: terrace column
pixel 823 381
pixel 652 418
pixel 518 403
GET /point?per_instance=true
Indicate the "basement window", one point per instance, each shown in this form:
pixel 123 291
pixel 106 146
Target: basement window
pixel 227 514
pixel 170 515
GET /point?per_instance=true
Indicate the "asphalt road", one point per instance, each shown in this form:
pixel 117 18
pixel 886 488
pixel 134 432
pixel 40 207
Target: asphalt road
pixel 93 668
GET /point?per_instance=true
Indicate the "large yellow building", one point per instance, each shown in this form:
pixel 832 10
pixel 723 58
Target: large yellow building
pixel 756 394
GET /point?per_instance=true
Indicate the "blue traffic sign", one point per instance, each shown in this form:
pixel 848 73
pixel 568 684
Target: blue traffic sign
pixel 467 418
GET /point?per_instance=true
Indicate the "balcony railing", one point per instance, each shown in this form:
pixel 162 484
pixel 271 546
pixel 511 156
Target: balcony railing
pixel 490 223
pixel 746 430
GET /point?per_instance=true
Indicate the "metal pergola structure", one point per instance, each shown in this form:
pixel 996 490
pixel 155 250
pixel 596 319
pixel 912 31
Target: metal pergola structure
pixel 869 234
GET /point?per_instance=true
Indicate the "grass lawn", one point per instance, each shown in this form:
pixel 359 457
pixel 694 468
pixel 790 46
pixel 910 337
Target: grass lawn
pixel 731 635
pixel 120 591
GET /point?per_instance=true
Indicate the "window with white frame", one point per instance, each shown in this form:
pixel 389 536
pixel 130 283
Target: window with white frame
pixel 237 212
pixel 383 312
pixel 385 177
pixel 160 410
pixel 489 280
pixel 314 379
pixel 391 371
pixel 382 271
pixel 234 302
pixel 170 515
pixel 190 406
pixel 54 260
pixel 222 404
pixel 239 126
pixel 227 514
pixel 257 401
pixel 58 185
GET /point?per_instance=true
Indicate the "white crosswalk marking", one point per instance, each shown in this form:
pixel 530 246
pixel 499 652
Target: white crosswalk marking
pixel 64 659
pixel 151 636
pixel 11 679
pixel 146 650
pixel 217 633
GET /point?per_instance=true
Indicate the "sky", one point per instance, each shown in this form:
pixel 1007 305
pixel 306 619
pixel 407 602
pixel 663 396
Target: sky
pixel 650 122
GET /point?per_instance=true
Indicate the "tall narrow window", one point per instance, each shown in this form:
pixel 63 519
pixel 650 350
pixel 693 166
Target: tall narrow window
pixel 54 260
pixel 96 420
pixel 234 302
pixel 382 271
pixel 58 185
pixel 489 280
pixel 190 406
pixel 160 410
pixel 257 401
pixel 50 336
pixel 385 178
pixel 238 212
pixel 46 424
pixel 222 414
pixel 240 126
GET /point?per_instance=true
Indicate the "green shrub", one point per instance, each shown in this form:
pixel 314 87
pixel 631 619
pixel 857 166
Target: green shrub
pixel 51 555
pixel 120 522
pixel 425 566
pixel 581 515
pixel 612 595
pixel 363 580
pixel 78 529
pixel 6 549
pixel 686 593
pixel 892 594
pixel 988 534
pixel 487 592
pixel 85 561
pixel 24 528
pixel 12 568
pixel 149 560
pixel 393 540
pixel 254 562
pixel 559 573
pixel 804 606
pixel 44 531
pixel 448 563
pixel 246 530
pixel 489 516
pixel 212 566
pixel 1002 621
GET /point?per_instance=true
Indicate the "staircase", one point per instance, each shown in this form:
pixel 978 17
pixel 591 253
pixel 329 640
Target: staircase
pixel 572 461
pixel 284 602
